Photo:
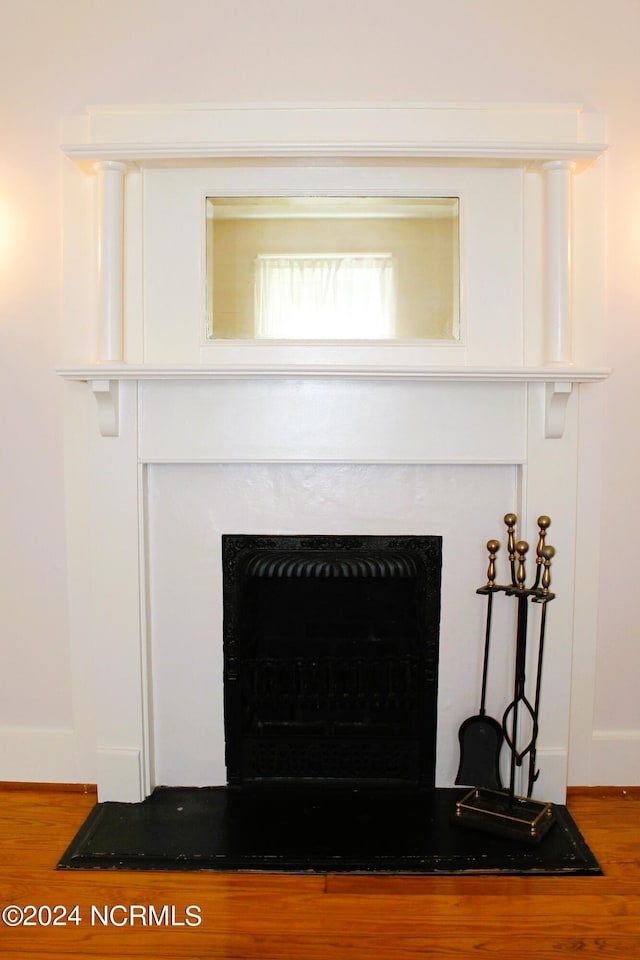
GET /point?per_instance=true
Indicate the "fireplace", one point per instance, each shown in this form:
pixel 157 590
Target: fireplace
pixel 330 652
pixel 194 438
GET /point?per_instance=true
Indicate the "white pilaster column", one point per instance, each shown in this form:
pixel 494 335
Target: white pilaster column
pixel 110 175
pixel 557 341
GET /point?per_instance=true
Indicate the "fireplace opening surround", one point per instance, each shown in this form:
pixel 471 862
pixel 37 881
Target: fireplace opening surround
pixel 192 440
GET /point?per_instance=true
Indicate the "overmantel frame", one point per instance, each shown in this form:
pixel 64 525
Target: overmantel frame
pixel 109 141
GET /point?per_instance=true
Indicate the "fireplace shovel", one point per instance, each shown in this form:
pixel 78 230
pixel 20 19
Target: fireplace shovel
pixel 481 736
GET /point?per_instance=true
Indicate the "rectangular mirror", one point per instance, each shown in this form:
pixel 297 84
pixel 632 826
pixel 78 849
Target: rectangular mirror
pixel 333 268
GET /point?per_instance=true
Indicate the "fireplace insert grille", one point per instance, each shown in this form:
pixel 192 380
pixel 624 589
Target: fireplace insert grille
pixel 330 650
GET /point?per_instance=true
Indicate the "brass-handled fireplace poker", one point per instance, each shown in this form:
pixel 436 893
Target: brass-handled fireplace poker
pixel 498 810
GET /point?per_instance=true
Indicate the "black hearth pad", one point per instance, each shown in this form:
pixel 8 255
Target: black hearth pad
pixel 322 830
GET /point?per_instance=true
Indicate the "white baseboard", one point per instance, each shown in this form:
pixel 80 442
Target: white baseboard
pixel 48 756
pixel 38 756
pixel 615 758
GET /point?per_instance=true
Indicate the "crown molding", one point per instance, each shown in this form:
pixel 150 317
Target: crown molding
pixel 492 133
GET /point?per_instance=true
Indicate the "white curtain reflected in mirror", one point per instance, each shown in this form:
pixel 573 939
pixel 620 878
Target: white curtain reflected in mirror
pixel 325 297
pixel 333 268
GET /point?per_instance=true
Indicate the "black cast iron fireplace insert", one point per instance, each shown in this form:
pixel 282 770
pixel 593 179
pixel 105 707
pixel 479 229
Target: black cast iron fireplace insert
pixel 330 659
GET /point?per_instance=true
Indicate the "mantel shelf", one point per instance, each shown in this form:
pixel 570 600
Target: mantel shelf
pixel 105 379
pixel 562 373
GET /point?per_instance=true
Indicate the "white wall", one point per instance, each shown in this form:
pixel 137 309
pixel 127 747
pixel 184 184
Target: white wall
pixel 55 57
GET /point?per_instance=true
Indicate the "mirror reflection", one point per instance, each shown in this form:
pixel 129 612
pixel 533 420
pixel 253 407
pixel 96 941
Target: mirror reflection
pixel 333 268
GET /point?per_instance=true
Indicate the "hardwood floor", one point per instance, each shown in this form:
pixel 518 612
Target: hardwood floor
pixel 279 917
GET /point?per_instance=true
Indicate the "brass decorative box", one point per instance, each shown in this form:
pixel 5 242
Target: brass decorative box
pixel 497 812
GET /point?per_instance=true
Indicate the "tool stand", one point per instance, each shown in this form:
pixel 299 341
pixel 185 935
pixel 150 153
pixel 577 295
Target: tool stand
pixel 502 811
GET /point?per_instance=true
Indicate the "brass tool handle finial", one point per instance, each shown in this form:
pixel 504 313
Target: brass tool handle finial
pixel 544 523
pixel 492 546
pixel 548 553
pixel 510 520
pixel 522 548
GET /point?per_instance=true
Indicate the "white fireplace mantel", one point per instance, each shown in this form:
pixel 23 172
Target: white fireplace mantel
pixel 507 400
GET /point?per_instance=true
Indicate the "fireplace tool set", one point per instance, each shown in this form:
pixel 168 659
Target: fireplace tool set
pixel 488 806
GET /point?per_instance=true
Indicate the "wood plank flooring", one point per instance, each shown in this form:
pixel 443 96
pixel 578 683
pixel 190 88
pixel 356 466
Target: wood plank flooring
pixel 285 917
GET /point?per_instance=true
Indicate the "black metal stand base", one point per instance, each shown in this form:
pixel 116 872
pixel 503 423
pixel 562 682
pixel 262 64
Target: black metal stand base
pixel 496 812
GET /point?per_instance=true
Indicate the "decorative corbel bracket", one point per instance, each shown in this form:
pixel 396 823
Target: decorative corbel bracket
pixel 106 393
pixel 557 395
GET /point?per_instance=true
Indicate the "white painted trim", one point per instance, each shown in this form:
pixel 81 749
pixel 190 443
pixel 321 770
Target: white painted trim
pixel 120 775
pixel 558 176
pixel 586 593
pixel 110 183
pixel 106 391
pixel 551 784
pixel 473 131
pixel 163 152
pixel 147 773
pixel 556 400
pixel 559 381
pixel 283 371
